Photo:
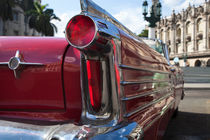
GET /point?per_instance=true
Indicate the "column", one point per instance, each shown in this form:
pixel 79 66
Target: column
pixel 164 34
pixel 173 40
pixel 151 33
pixel 194 35
pixel 205 33
pixel 183 36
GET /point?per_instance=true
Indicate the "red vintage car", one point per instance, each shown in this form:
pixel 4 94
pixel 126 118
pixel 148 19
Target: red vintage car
pixel 101 82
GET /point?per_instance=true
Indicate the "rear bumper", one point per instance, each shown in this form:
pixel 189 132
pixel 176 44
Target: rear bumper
pixel 20 131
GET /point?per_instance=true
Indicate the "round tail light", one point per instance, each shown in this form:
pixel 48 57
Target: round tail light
pixel 80 31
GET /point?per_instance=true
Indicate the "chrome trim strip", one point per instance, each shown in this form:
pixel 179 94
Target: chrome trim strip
pixel 142 82
pixel 3 63
pixel 147 105
pixel 31 64
pixel 144 94
pixel 165 108
pixel 141 69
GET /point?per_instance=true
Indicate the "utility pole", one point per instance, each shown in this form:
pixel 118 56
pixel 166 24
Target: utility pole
pixel 155 14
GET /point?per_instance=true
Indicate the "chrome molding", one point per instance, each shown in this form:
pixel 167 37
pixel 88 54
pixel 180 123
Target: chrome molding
pixel 16 64
pixel 144 94
pixel 141 69
pixel 147 105
pixel 142 82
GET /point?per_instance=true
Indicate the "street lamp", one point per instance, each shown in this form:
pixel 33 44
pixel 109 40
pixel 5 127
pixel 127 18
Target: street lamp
pixel 154 17
pixel 145 8
pixel 185 59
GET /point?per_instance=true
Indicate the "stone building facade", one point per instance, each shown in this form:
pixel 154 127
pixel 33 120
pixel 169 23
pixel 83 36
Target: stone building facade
pixel 18 26
pixel 188 35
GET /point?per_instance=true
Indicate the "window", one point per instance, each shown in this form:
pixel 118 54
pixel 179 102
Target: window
pixel 188 28
pixel 15 16
pixel 199 25
pixel 178 32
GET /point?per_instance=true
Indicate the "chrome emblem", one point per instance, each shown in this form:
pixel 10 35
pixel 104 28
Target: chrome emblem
pixel 16 64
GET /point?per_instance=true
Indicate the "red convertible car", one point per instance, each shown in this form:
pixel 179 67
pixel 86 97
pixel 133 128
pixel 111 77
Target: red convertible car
pixel 101 82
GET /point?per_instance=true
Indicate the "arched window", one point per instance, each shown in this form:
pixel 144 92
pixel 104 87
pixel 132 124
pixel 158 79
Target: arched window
pixel 178 35
pixel 208 63
pixel 161 34
pixel 168 33
pixel 209 22
pixel 197 63
pixel 199 28
pixel 188 28
pixel 178 32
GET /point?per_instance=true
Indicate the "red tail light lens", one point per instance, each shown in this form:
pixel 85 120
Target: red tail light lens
pixel 80 31
pixel 94 83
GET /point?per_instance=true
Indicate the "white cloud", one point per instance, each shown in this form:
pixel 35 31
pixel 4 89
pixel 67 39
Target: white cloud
pixel 132 19
pixel 61 25
pixel 178 5
pixel 172 3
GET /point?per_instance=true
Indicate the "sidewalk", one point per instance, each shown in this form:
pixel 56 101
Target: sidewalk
pixel 199 86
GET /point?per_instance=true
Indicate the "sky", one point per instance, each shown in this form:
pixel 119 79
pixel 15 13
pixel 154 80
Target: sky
pixel 128 12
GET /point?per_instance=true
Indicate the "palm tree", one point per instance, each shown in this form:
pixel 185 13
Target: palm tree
pixel 6 12
pixel 40 19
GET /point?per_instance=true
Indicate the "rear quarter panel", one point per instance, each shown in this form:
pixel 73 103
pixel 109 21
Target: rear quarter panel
pixel 148 94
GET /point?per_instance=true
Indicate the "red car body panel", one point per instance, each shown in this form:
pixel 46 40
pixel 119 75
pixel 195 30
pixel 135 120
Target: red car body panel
pixel 154 75
pixel 39 92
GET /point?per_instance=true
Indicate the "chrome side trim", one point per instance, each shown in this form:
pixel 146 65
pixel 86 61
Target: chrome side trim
pixel 147 105
pixel 141 69
pixel 31 64
pixel 3 63
pixel 165 108
pixel 142 82
pixel 144 94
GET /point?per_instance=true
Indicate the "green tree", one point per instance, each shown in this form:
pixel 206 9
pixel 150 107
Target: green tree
pixel 144 33
pixel 40 19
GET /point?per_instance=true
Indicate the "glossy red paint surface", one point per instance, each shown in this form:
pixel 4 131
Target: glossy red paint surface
pixel 39 87
pixel 72 83
pixel 38 93
pixel 153 75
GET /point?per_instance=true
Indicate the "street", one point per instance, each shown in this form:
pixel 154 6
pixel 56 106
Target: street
pixel 193 119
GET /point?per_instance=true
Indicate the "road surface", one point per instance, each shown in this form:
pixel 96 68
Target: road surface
pixel 193 120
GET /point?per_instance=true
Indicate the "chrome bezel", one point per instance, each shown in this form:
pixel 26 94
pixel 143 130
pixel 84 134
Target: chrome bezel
pixel 93 39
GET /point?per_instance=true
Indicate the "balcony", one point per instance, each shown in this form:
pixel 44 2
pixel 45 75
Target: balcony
pixel 188 38
pixel 178 40
pixel 199 36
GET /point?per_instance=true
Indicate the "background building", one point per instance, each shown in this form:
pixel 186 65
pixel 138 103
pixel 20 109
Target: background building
pixel 19 25
pixel 188 35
